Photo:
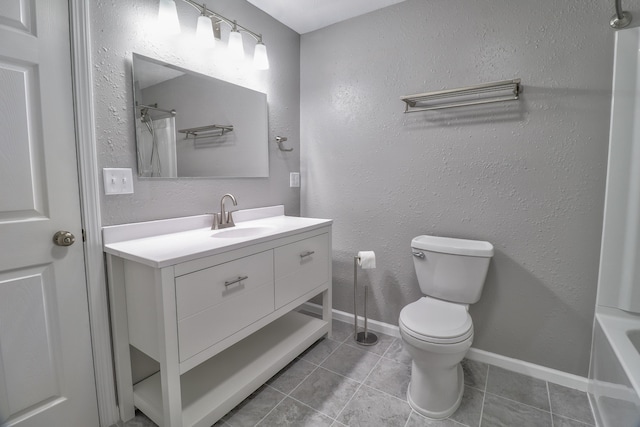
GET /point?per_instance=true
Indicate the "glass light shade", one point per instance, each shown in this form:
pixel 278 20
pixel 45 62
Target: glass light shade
pixel 260 58
pixel 204 31
pixel 236 46
pixel 168 21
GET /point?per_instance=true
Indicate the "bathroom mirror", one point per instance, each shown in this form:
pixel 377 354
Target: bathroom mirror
pixel 192 125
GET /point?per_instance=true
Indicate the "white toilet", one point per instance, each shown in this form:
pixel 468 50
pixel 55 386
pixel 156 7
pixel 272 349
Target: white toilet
pixel 437 330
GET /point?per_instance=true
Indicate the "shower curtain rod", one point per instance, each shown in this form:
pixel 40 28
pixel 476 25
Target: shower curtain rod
pixel 155 107
pixel 621 19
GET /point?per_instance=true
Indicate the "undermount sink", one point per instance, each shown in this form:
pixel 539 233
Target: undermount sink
pixel 235 233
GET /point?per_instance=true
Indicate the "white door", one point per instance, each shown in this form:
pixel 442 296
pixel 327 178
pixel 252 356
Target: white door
pixel 46 367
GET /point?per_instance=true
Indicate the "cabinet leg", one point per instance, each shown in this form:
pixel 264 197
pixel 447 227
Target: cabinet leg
pixel 171 396
pixel 327 313
pixel 120 329
pixel 168 348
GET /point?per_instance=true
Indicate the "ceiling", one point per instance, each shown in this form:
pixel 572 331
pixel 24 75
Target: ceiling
pixel 304 16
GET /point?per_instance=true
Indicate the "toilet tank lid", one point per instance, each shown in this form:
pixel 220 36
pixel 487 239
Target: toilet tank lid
pixel 450 245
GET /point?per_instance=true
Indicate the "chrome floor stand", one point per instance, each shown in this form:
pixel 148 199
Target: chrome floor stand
pixel 364 337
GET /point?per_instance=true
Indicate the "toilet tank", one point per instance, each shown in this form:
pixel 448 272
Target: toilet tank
pixel 451 269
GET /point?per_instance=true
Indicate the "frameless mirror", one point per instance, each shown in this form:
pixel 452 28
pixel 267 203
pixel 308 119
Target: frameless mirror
pixel 192 125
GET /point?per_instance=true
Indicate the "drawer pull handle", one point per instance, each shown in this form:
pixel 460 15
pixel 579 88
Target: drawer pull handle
pixel 239 279
pixel 306 254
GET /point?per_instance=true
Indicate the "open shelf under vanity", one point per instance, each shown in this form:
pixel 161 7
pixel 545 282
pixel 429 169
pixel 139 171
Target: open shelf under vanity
pixel 212 389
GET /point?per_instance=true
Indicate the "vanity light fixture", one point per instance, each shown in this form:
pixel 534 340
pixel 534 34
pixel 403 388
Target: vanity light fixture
pixel 260 58
pixel 168 17
pixel 235 46
pixel 206 31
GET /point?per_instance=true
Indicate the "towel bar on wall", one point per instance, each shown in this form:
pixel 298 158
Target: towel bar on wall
pixel 206 131
pixel 506 90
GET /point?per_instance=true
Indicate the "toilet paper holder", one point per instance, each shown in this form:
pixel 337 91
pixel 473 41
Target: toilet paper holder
pixel 364 337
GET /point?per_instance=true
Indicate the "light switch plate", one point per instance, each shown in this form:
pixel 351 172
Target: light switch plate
pixel 117 181
pixel 294 179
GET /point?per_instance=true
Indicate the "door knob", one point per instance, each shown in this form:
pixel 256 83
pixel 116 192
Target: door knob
pixel 63 238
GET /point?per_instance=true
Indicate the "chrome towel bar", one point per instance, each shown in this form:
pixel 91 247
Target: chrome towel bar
pixel 206 131
pixel 506 90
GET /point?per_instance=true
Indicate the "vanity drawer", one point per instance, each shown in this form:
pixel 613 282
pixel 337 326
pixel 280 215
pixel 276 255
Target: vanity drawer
pixel 301 267
pixel 206 288
pixel 209 311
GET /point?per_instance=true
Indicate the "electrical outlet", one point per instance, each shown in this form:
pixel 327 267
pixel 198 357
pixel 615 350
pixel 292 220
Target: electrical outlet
pixel 117 181
pixel 294 179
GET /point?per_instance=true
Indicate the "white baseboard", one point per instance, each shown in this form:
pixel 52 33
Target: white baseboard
pixel 531 369
pixel 343 316
pixel 520 366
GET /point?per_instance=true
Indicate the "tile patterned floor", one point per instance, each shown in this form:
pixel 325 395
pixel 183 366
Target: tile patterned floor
pixel 339 383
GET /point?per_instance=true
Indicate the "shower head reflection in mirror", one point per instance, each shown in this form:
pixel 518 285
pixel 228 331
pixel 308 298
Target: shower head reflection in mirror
pixel 156 148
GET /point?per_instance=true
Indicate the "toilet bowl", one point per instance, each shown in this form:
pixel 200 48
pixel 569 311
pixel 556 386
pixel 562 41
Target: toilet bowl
pixel 436 386
pixel 437 330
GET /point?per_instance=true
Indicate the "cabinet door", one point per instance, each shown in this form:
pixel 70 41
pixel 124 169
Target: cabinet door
pixel 301 267
pixel 216 302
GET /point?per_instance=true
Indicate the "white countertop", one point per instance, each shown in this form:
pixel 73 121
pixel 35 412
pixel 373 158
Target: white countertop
pixel 163 243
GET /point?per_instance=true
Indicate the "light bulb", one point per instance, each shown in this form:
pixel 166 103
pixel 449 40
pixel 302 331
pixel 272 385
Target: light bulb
pixel 260 58
pixel 168 21
pixel 236 46
pixel 204 31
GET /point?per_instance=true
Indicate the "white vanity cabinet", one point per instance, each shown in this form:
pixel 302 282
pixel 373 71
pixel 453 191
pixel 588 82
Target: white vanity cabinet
pixel 217 314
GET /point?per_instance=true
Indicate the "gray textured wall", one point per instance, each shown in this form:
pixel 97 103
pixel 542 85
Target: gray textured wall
pixel 528 176
pixel 121 27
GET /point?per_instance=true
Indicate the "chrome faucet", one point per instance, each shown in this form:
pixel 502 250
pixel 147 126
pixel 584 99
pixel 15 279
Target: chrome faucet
pixel 224 219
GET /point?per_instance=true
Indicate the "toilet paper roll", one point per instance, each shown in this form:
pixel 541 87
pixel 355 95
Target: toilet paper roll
pixel 367 259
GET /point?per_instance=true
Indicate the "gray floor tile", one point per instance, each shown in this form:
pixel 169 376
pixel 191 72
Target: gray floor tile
pixel 475 373
pixel 371 407
pixel 351 362
pixel 518 387
pixel 383 344
pixel 341 331
pixel 291 376
pixel 499 412
pixel 570 403
pixel 326 391
pixel 318 395
pixel 417 420
pixel 292 413
pixel 140 420
pixel 391 377
pixel 319 351
pixel 559 421
pixel 397 352
pixel 470 409
pixel 254 407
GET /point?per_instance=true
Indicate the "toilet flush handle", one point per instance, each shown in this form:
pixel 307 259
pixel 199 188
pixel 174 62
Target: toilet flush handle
pixel 418 254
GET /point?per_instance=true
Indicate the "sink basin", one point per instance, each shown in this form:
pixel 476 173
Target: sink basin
pixel 236 233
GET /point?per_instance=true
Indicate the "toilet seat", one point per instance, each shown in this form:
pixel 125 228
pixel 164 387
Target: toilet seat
pixel 436 321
